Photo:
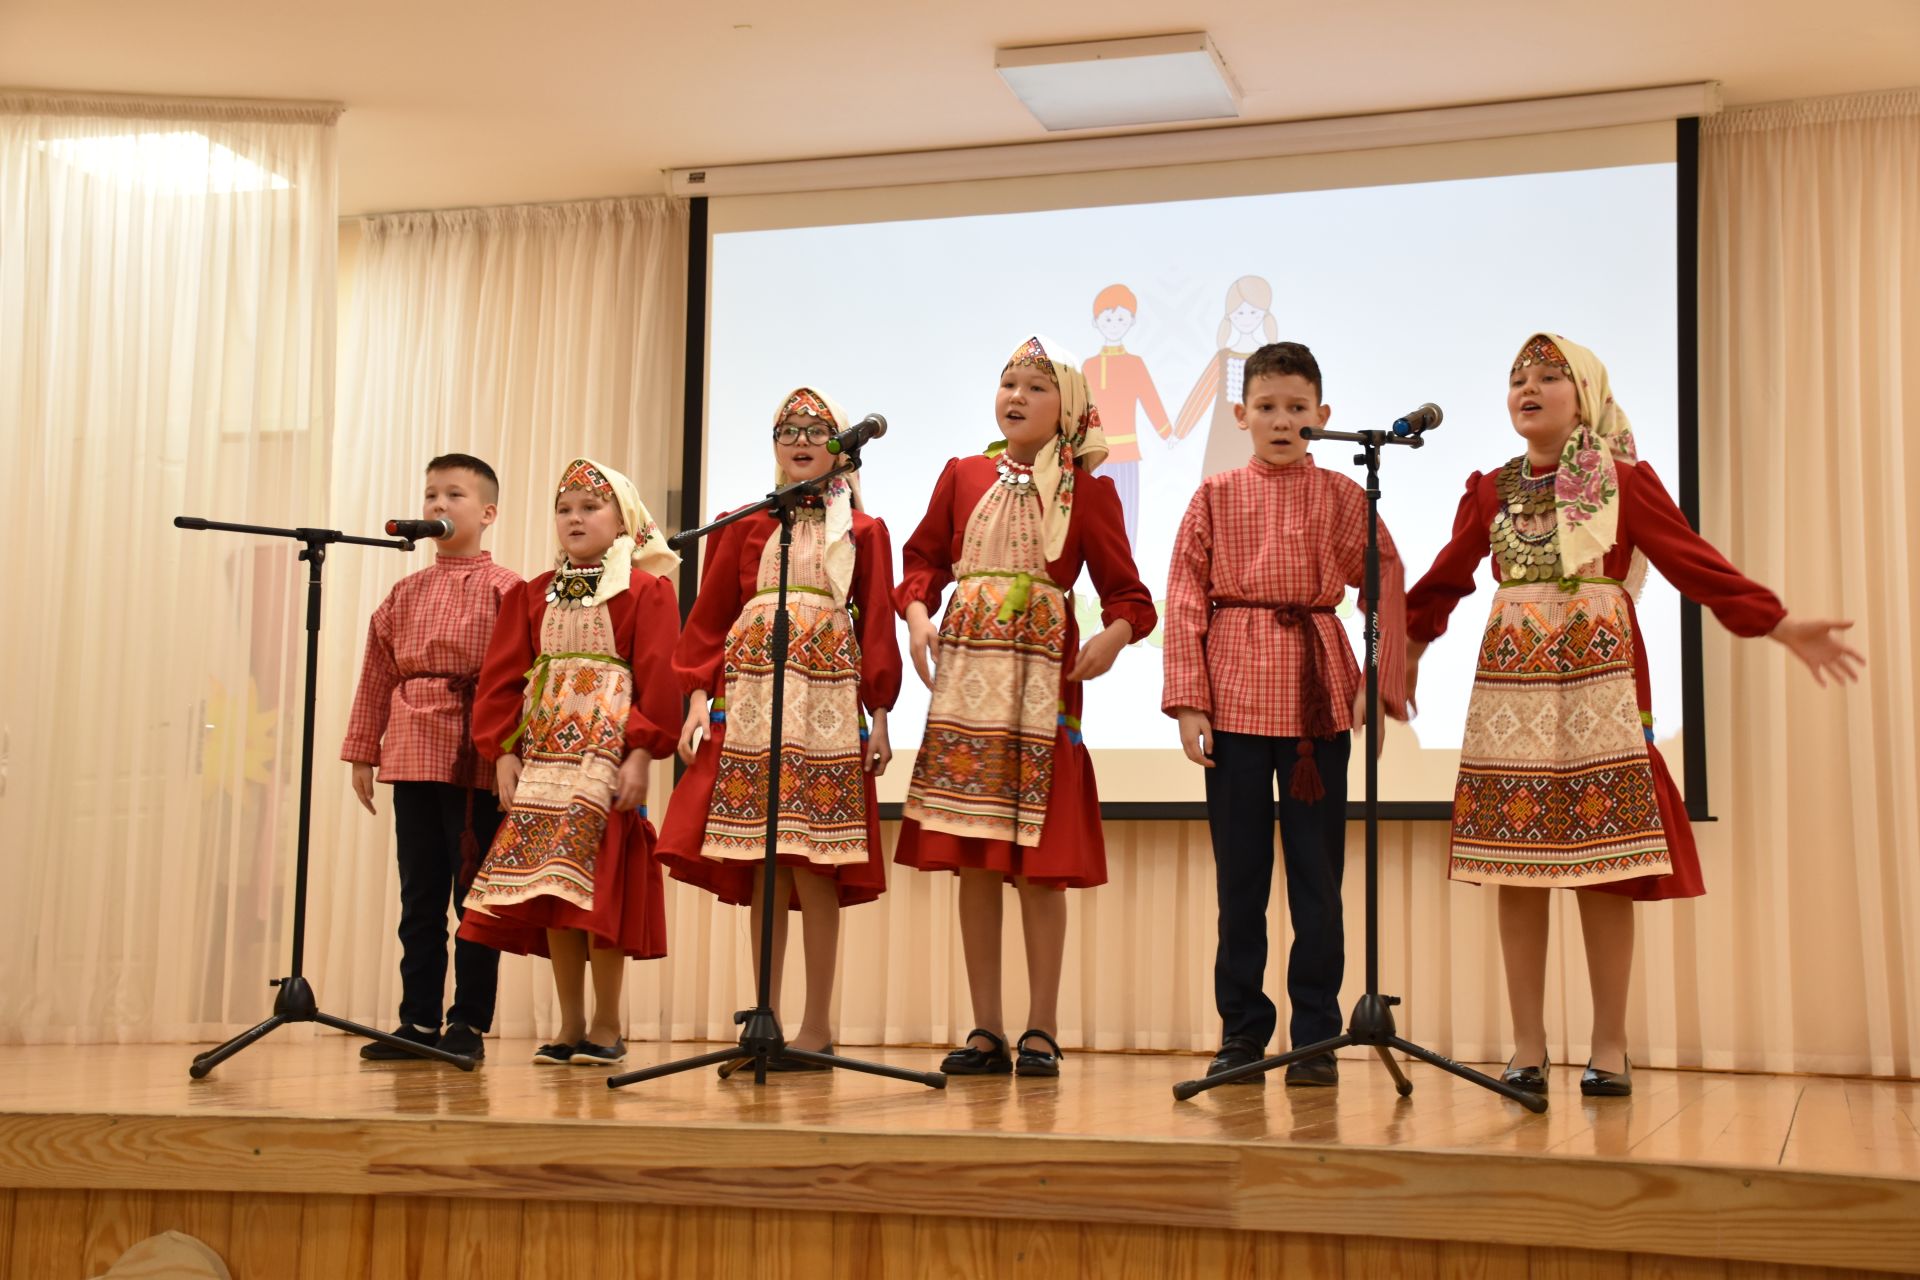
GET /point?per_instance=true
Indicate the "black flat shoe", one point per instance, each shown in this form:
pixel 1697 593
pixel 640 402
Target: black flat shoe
pixel 1034 1062
pixel 784 1063
pixel 1314 1073
pixel 969 1061
pixel 589 1054
pixel 557 1054
pixel 1237 1051
pixel 464 1040
pixel 1532 1079
pixel 381 1051
pixel 1595 1083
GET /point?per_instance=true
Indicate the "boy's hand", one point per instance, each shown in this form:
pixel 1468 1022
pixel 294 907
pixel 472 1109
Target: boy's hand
pixel 506 779
pixel 363 786
pixel 1196 737
pixel 1097 655
pixel 1360 720
pixel 1813 642
pixel 923 642
pixel 697 719
pixel 879 748
pixel 631 791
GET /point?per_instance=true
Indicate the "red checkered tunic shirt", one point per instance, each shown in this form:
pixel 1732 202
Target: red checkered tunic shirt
pixel 431 631
pixel 1274 536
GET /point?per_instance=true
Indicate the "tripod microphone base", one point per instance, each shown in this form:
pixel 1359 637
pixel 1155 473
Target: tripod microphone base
pixel 760 1043
pixel 1371 1027
pixel 296 1003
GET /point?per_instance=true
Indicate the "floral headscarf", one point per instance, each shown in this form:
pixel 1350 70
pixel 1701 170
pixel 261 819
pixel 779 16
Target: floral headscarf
pixel 842 494
pixel 1077 436
pixel 639 544
pixel 1587 486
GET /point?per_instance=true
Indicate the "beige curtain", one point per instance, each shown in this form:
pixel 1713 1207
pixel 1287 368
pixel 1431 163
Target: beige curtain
pixel 166 347
pixel 1810 379
pixel 525 336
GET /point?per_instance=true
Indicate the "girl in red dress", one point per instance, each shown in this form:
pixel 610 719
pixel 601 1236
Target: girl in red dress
pixel 842 658
pixel 577 698
pixel 1002 786
pixel 1560 784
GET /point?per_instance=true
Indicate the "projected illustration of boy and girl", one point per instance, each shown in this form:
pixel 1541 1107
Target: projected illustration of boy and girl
pixel 1120 384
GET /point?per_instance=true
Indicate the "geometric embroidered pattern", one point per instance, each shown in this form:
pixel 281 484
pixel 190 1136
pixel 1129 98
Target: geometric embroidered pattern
pixel 571 753
pixel 1555 785
pixel 823 798
pixel 985 764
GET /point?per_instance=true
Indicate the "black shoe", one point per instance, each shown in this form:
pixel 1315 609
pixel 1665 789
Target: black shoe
pixel 557 1054
pixel 969 1061
pixel 781 1062
pixel 1595 1083
pixel 1036 1062
pixel 1237 1051
pixel 1532 1079
pixel 463 1040
pixel 1314 1073
pixel 589 1054
pixel 378 1051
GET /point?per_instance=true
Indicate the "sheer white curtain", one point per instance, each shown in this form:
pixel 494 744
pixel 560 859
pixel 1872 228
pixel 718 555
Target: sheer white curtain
pixel 166 347
pixel 1810 380
pixel 525 336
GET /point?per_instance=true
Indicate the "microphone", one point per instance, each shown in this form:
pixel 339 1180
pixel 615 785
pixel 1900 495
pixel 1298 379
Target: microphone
pixel 871 427
pixel 415 529
pixel 1419 422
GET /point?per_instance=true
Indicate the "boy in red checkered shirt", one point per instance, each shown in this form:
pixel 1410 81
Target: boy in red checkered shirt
pixel 1262 680
pixel 412 717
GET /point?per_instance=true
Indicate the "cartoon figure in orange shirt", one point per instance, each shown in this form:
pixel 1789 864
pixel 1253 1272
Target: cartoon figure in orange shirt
pixel 1118 380
pixel 1248 316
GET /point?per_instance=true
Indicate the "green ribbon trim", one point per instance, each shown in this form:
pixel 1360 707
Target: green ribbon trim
pixel 537 688
pixel 1018 597
pixel 1571 585
pixel 1021 593
pixel 791 590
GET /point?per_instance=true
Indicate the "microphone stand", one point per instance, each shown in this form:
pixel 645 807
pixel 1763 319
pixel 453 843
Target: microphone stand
pixel 761 1040
pixel 296 1001
pixel 1372 1023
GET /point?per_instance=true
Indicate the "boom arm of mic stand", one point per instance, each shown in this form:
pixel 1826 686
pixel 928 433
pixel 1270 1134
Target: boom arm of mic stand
pixel 312 537
pixel 785 496
pixel 1363 437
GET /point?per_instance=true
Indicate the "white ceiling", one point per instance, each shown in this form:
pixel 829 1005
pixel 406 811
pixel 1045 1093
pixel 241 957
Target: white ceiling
pixel 492 102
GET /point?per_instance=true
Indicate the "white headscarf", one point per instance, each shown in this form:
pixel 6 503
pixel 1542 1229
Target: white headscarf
pixel 1076 436
pixel 639 544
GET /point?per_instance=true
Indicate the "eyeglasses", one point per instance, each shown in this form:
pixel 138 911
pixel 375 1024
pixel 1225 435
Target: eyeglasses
pixel 789 433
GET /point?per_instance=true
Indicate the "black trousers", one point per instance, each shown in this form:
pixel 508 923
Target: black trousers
pixel 1240 799
pixel 428 817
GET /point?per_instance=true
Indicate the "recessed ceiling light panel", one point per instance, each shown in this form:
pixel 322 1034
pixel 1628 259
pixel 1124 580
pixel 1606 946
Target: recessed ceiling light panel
pixel 1104 83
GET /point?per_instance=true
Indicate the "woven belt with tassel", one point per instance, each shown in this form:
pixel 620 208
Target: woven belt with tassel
pixel 1316 700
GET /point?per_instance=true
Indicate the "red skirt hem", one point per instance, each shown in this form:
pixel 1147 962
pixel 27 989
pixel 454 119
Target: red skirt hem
pixel 1072 853
pixel 629 912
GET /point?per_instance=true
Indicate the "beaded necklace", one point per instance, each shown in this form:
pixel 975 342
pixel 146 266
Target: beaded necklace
pixel 573 585
pixel 1525 532
pixel 1013 474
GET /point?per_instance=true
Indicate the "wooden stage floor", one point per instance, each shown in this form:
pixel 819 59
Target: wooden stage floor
pixel 295 1158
